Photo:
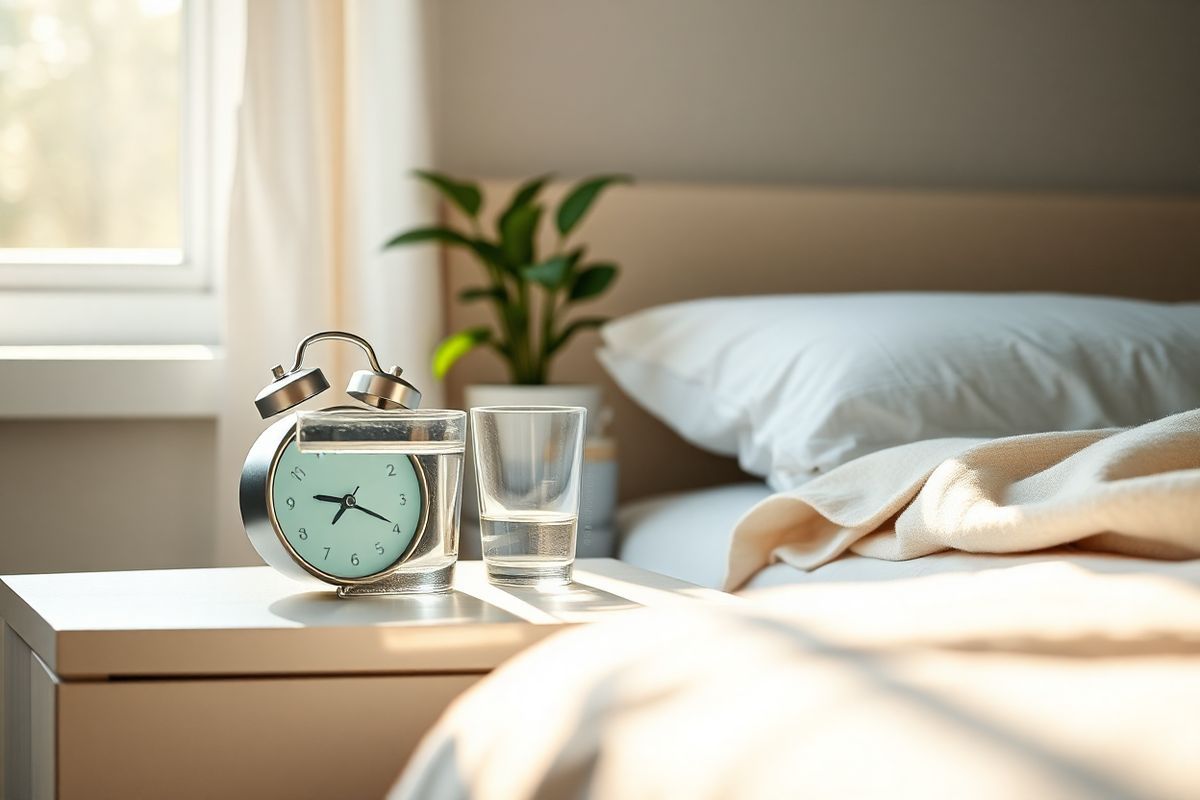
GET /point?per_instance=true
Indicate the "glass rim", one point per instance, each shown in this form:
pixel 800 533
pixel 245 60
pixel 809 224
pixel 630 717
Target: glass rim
pixel 361 414
pixel 529 409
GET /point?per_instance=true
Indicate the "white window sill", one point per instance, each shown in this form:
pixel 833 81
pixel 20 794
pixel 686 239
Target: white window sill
pixel 109 381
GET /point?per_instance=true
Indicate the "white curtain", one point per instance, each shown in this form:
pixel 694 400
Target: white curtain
pixel 335 112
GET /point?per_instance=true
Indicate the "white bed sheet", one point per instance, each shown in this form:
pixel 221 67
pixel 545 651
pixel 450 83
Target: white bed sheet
pixel 687 536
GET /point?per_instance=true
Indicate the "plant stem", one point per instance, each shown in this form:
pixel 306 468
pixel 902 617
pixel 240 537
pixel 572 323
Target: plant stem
pixel 525 348
pixel 548 309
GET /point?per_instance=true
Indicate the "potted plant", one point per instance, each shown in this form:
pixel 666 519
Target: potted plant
pixel 533 295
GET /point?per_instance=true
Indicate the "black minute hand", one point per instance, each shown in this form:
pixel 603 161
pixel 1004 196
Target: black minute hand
pixel 372 513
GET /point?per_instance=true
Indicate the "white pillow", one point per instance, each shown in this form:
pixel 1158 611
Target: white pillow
pixel 795 385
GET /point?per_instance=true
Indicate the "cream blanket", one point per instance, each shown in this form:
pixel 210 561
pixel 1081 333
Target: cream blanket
pixel 1134 491
pixel 1045 680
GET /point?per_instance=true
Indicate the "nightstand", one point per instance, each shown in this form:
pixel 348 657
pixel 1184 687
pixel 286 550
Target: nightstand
pixel 239 682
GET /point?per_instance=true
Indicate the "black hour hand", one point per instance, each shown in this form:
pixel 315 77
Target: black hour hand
pixel 327 498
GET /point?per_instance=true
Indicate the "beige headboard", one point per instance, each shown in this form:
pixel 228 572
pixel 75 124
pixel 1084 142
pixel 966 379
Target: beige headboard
pixel 676 242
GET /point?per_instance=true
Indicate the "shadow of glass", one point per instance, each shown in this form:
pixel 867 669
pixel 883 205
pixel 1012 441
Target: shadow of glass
pixel 574 598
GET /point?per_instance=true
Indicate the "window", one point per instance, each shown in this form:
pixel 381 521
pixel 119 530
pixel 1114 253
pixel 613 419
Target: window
pixel 109 154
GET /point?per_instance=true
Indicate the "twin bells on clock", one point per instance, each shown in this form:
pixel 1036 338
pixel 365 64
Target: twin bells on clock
pixel 374 387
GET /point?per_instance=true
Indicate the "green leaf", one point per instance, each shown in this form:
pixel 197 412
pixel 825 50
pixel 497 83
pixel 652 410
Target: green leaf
pixel 523 196
pixel 592 281
pixel 576 204
pixel 464 195
pixel 483 293
pixel 433 234
pixel 575 327
pixel 457 345
pixel 576 254
pixel 516 237
pixel 573 259
pixel 502 348
pixel 488 252
pixel 550 274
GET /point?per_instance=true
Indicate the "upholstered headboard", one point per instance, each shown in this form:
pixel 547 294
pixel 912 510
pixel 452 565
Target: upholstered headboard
pixel 677 242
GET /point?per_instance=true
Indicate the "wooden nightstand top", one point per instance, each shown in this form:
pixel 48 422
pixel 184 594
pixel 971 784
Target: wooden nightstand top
pixel 254 621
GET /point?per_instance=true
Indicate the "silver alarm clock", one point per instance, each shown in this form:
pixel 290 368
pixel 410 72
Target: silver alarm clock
pixel 350 519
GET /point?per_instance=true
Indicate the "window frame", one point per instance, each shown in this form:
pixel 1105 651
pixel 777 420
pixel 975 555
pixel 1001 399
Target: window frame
pixel 142 296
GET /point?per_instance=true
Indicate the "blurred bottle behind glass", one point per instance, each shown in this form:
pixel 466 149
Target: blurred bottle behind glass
pixel 597 535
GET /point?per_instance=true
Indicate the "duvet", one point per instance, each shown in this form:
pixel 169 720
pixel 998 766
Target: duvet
pixel 1042 680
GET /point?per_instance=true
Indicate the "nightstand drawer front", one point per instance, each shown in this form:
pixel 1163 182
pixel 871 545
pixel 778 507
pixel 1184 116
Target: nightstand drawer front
pixel 261 737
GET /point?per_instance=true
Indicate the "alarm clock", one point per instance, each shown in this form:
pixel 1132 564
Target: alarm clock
pixel 350 519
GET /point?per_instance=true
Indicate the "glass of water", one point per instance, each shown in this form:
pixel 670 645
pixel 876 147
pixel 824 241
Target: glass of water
pixel 528 461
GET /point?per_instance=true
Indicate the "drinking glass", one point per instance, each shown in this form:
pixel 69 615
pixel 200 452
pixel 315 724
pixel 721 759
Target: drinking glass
pixel 528 461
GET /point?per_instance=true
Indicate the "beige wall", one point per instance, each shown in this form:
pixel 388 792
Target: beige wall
pixel 979 94
pixel 99 495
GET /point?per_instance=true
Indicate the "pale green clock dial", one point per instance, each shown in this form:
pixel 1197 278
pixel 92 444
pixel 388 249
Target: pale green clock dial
pixel 349 515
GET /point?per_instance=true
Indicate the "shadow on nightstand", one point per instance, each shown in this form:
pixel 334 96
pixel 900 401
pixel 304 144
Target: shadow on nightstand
pixel 325 609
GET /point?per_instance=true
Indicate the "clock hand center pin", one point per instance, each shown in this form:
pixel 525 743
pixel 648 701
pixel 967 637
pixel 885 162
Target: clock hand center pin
pixel 347 502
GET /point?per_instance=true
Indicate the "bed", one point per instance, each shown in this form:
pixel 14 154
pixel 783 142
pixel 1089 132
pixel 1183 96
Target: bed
pixel 867 652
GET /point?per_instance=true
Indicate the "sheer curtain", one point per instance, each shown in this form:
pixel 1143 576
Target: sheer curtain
pixel 334 113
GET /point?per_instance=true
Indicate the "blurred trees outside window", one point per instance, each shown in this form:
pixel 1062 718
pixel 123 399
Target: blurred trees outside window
pixel 91 107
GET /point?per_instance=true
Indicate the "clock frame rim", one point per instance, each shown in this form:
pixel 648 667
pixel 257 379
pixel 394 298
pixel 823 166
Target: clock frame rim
pixel 254 518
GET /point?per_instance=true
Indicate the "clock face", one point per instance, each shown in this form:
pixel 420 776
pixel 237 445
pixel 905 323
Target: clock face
pixel 349 515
